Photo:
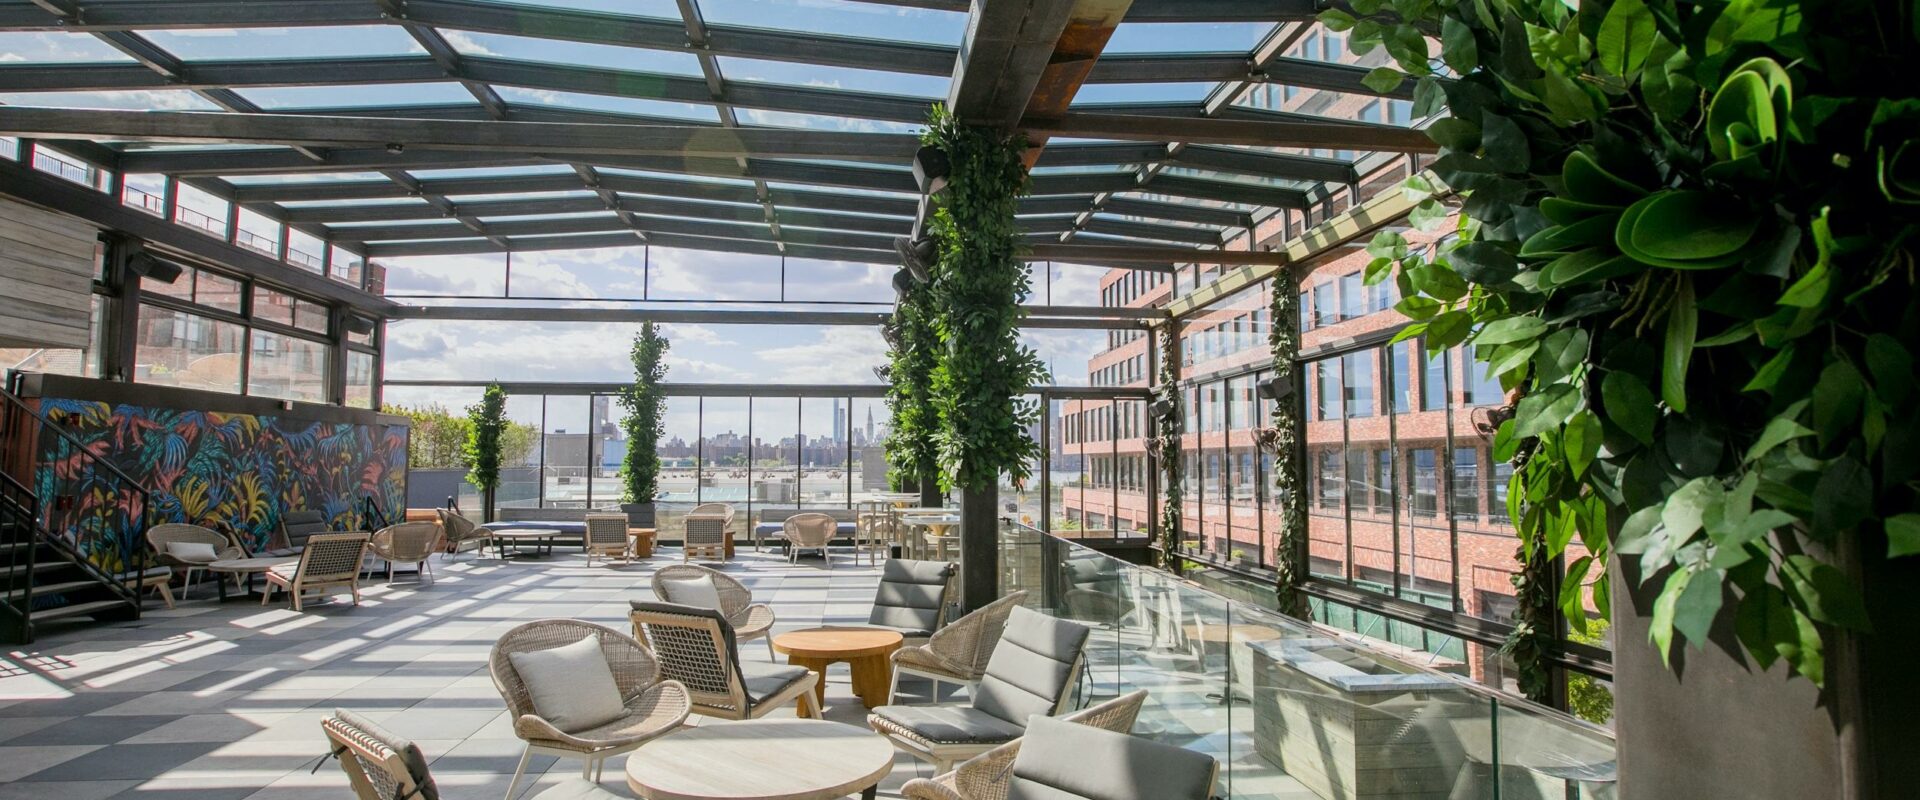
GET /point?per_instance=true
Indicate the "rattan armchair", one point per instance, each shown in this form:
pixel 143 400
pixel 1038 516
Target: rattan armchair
pixel 330 560
pixel 988 775
pixel 607 537
pixel 653 706
pixel 458 532
pixel 383 766
pixel 696 647
pixel 406 543
pixel 159 536
pixel 810 531
pixel 707 529
pixel 750 620
pixel 957 653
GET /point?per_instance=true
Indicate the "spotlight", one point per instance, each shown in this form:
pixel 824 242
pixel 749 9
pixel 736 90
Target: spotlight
pixel 1276 389
pixel 155 269
pixel 930 169
pixel 916 255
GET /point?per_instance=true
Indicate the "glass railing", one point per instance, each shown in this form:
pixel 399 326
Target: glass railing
pixel 1292 710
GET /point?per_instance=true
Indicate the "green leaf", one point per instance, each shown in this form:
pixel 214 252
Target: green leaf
pixel 1626 37
pixel 1571 586
pixel 1693 613
pixel 1388 244
pixel 1505 144
pixel 1836 400
pixel 1811 290
pixel 1903 535
pixel 1765 626
pixel 1337 20
pixel 1682 324
pixel 1383 79
pixel 1508 330
pixel 1428 98
pixel 1428 215
pixel 1454 133
pixel 1448 329
pixel 1636 533
pixel 1438 282
pixel 1629 404
pixel 1545 410
pixel 1457 46
pixel 1484 263
pixel 1664 608
pixel 1741 116
pixel 1687 508
pixel 1583 437
pixel 1892 368
pixel 1740 332
pixel 1509 357
pixel 1842 497
pixel 1690 229
pixel 1825 593
pixel 1756 525
pixel 1779 431
pixel 1770 373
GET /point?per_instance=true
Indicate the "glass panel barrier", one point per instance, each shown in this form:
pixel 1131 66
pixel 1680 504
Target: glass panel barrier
pixel 1291 709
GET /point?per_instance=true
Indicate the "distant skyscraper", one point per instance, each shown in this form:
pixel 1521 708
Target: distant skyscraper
pixel 839 422
pixel 870 438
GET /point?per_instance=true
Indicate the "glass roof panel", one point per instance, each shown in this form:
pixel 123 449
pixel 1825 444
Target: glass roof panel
pixel 822 122
pixel 228 44
pixel 362 96
pixel 859 80
pixel 677 177
pixel 130 100
pixel 492 172
pixel 555 51
pixel 646 8
pixel 56 48
pixel 1326 103
pixel 538 217
pixel 467 198
pixel 1235 177
pixel 602 102
pixel 359 201
pixel 1187 37
pixel 839 189
pixel 841 17
pixel 1142 93
pixel 309 177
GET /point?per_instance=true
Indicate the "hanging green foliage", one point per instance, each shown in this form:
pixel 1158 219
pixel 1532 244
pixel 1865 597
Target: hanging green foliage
pixel 1688 240
pixel 915 350
pixel 1168 426
pixel 486 423
pixel 645 422
pixel 1290 551
pixel 983 371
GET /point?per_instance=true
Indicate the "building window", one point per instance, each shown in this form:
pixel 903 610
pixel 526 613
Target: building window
pixel 1353 298
pixel 1383 481
pixel 1306 311
pixel 360 380
pixel 1465 501
pixel 287 368
pixel 1328 477
pixel 1481 389
pixel 1326 382
pixel 1358 492
pixel 1327 311
pixel 1425 480
pixel 1402 387
pixel 1433 379
pixel 1497 479
pixel 1359 383
pixel 188 350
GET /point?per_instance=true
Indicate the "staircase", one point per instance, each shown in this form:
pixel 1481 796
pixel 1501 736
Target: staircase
pixel 44 575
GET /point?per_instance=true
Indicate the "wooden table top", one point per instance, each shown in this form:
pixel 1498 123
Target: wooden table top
pixel 767 759
pixel 832 642
pixel 524 533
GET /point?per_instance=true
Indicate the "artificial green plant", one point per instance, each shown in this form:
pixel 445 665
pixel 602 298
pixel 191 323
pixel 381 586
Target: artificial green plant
pixel 1290 552
pixel 1167 426
pixel 486 422
pixel 914 351
pixel 1687 240
pixel 645 404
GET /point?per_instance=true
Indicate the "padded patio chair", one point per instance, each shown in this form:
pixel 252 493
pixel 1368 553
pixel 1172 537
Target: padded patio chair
pixel 406 543
pixel 190 548
pixel 330 560
pixel 708 527
pixel 1065 759
pixel 957 653
pixel 607 537
pixel 810 531
pixel 383 766
pixel 914 596
pixel 987 776
pixel 641 706
pixel 295 529
pixel 459 533
pixel 1032 673
pixel 750 620
pixel 696 647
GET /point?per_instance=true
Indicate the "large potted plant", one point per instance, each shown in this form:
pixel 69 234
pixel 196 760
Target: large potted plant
pixel 643 425
pixel 486 425
pixel 1688 246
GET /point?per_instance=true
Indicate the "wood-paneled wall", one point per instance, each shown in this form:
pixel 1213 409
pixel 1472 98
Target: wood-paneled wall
pixel 46 277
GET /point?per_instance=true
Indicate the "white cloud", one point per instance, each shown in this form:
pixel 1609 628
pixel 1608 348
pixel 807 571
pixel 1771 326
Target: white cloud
pixel 684 333
pixel 466 44
pixel 840 355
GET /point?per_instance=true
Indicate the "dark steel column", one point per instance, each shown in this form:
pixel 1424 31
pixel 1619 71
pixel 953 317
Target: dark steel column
pixel 979 547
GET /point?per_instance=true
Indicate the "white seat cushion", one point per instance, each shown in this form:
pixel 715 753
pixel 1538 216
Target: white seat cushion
pixel 570 685
pixel 193 552
pixel 697 592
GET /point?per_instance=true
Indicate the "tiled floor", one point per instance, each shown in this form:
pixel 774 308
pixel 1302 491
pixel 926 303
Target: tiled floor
pixel 213 701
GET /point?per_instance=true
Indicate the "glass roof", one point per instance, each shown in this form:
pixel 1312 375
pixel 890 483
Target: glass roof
pixel 646 8
pixel 388 94
pixel 579 54
pixel 56 48
pixel 1187 37
pixel 841 17
pixel 607 102
pixel 228 44
pixel 128 100
pixel 858 80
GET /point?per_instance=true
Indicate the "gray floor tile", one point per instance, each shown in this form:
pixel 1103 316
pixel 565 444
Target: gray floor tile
pixel 124 762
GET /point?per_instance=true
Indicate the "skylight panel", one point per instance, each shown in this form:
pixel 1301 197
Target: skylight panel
pixel 815 75
pixel 665 9
pixel 1187 37
pixel 307 177
pixel 367 96
pixel 492 172
pixel 822 122
pixel 56 48
pixel 1142 93
pixel 697 112
pixel 128 100
pixel 580 54
pixel 231 44
pixel 841 17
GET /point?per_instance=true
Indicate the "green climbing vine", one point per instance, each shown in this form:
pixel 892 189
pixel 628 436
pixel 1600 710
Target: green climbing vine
pixel 1290 553
pixel 645 404
pixel 915 350
pixel 486 425
pixel 1688 242
pixel 1166 443
pixel 983 371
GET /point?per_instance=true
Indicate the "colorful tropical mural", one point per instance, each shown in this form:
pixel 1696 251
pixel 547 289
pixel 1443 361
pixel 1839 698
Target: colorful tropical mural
pixel 240 472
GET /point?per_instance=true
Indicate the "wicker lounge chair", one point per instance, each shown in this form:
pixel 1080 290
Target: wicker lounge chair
pixel 708 527
pixel 810 531
pixel 383 766
pixel 696 647
pixel 406 543
pixel 607 537
pixel 750 620
pixel 160 536
pixel 295 528
pixel 653 706
pixel 459 533
pixel 329 560
pixel 957 653
pixel 988 775
pixel 914 596
pixel 1032 673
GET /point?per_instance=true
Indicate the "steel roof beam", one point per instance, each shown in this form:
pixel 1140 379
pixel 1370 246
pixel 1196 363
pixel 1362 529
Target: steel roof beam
pixel 1254 132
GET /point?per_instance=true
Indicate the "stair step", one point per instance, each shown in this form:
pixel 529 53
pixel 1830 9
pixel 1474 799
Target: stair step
pixel 50 589
pixel 78 609
pixel 38 568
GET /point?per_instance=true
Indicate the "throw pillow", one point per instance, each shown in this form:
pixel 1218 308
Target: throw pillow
pixel 195 552
pixel 697 592
pixel 571 685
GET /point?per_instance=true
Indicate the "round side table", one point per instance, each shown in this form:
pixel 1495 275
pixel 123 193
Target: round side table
pixel 762 759
pixel 865 651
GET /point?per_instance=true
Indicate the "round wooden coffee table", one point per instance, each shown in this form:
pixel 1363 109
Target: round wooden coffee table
pixel 244 569
pixel 763 759
pixel 865 651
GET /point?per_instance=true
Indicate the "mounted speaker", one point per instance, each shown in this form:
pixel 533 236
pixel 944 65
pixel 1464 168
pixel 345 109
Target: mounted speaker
pixel 916 255
pixel 903 284
pixel 1162 407
pixel 884 372
pixel 1276 389
pixel 359 325
pixel 930 169
pixel 154 269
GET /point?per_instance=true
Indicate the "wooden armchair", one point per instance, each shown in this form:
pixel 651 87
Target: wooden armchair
pixel 406 543
pixel 329 560
pixel 708 527
pixel 750 620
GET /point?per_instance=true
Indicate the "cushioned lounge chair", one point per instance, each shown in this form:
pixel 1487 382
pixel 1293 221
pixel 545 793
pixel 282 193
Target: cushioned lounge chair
pixel 750 620
pixel 696 647
pixel 914 596
pixel 1063 759
pixel 957 653
pixel 989 775
pixel 177 545
pixel 707 529
pixel 329 560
